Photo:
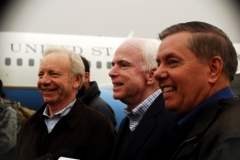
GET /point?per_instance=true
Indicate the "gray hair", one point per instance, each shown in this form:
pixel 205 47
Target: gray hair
pixel 149 48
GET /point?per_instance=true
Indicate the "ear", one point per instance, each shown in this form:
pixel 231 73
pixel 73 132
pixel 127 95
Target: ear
pixel 215 69
pixel 77 80
pixel 150 77
pixel 87 77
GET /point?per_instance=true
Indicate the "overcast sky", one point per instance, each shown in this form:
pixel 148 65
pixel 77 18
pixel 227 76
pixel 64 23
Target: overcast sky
pixel 116 17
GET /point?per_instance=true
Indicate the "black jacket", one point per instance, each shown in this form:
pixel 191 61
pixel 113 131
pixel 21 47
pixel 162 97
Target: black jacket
pixel 82 126
pixel 215 135
pixel 154 137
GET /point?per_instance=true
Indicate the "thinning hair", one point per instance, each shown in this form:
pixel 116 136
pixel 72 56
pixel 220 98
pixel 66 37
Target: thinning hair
pixel 76 63
pixel 148 48
pixel 206 42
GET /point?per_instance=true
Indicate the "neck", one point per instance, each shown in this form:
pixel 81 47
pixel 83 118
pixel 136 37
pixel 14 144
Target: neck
pixel 54 108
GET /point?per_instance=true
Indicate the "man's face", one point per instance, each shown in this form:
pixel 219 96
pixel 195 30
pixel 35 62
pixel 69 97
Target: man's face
pixel 182 78
pixel 128 79
pixel 55 83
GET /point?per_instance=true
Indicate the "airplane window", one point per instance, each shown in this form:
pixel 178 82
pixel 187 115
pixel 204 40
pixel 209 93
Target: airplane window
pixel 19 61
pixel 109 65
pixel 31 62
pixel 99 64
pixel 7 61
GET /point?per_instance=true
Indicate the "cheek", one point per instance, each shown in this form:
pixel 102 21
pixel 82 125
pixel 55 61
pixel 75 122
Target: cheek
pixel 38 83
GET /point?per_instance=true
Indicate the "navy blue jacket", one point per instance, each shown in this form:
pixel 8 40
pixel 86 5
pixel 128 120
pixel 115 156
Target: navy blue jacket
pixel 154 137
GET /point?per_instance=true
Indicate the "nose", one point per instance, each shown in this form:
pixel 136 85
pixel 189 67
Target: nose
pixel 160 73
pixel 113 72
pixel 44 79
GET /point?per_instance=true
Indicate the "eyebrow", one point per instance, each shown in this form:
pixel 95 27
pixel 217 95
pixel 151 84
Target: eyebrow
pixel 169 55
pixel 121 61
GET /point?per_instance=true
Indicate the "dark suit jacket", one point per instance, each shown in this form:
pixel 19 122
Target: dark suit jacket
pixel 154 137
pixel 82 126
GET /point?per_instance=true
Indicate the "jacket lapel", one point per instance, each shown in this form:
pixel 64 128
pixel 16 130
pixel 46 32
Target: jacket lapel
pixel 144 129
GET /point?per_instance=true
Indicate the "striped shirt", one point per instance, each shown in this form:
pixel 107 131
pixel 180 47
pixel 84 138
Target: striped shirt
pixel 51 122
pixel 137 113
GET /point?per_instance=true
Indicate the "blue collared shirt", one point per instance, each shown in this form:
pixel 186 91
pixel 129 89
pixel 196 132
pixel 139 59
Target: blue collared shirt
pixel 52 121
pixel 185 124
pixel 137 113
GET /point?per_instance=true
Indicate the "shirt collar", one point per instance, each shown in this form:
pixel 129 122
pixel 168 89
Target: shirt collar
pixel 62 113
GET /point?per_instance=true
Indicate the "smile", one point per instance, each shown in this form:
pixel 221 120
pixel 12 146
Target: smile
pixel 117 84
pixel 168 89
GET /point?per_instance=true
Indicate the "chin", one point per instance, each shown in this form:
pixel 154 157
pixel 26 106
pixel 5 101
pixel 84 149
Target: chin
pixel 170 108
pixel 47 100
pixel 116 96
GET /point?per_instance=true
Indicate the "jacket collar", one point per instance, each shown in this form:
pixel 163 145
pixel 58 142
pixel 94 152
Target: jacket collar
pixel 185 125
pixel 72 118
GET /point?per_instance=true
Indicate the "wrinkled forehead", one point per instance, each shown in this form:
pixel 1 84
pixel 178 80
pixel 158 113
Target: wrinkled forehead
pixel 57 56
pixel 56 59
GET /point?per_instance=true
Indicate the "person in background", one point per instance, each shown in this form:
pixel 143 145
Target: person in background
pixel 64 121
pixel 146 132
pixel 196 63
pixel 9 126
pixel 89 93
pixel 23 112
pixel 2 94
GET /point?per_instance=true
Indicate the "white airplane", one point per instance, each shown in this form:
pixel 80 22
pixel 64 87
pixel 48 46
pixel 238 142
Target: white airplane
pixel 21 53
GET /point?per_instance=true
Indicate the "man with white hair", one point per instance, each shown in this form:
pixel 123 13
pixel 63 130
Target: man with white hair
pixel 146 132
pixel 64 121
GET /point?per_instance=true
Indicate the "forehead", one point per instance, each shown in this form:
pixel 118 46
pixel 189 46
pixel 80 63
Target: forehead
pixel 174 43
pixel 128 52
pixel 55 60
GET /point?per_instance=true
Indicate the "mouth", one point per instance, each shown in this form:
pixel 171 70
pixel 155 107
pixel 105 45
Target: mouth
pixel 168 89
pixel 48 90
pixel 117 84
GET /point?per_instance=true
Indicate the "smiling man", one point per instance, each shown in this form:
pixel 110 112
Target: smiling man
pixel 196 63
pixel 146 132
pixel 64 121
